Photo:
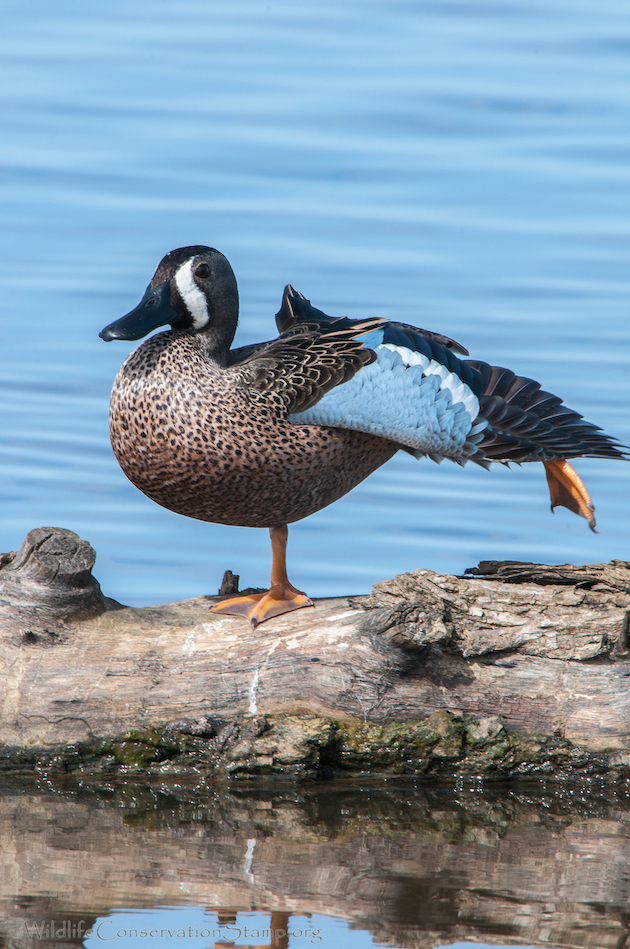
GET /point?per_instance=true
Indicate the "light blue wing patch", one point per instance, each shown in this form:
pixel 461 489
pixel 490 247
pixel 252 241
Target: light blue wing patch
pixel 405 397
pixel 372 339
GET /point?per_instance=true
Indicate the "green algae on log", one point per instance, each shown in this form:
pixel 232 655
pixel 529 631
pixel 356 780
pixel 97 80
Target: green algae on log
pixel 537 671
pixel 306 747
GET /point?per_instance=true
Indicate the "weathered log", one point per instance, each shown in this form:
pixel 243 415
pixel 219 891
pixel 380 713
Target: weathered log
pixel 427 673
pixel 49 581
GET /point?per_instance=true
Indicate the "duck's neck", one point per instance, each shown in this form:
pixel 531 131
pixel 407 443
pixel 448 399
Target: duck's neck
pixel 216 339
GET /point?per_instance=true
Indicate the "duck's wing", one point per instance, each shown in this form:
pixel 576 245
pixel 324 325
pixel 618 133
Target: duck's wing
pixel 420 394
pixel 414 390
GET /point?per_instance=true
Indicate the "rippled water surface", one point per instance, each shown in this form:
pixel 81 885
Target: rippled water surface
pixel 460 165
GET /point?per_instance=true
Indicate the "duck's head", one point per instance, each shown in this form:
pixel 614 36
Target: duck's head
pixel 193 289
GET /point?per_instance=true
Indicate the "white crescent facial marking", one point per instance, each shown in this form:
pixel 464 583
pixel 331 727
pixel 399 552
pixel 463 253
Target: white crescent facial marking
pixel 192 296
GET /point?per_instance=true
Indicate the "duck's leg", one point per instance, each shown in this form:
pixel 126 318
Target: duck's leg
pixel 281 597
pixel 567 489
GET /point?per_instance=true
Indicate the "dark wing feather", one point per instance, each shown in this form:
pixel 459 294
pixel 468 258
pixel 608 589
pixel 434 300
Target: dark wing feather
pixel 525 423
pixel 305 362
pixel 296 309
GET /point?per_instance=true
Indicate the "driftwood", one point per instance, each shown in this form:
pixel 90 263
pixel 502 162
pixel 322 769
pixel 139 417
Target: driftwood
pixel 511 669
pixel 49 581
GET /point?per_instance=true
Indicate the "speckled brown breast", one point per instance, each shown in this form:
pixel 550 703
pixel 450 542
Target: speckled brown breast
pixel 195 439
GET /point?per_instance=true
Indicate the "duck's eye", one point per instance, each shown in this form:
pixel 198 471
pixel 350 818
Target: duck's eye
pixel 202 271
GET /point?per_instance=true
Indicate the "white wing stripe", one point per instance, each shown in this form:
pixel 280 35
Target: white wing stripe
pixel 459 391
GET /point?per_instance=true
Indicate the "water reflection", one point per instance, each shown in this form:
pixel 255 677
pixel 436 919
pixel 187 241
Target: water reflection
pixel 409 865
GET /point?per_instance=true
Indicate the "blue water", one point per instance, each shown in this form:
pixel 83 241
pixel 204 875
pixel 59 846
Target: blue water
pixel 460 165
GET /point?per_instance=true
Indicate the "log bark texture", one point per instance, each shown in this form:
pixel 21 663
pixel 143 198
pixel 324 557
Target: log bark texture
pixel 49 581
pixel 528 664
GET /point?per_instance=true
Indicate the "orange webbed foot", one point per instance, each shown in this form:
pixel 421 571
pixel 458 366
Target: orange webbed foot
pixel 567 489
pixel 258 607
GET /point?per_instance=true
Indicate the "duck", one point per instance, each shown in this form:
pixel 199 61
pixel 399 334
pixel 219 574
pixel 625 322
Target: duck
pixel 265 435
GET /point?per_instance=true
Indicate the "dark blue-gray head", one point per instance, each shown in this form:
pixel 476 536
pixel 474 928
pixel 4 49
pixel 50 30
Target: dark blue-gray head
pixel 193 289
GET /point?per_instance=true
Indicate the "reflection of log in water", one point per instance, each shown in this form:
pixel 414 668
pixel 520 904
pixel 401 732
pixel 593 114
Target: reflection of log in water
pixel 522 671
pixel 414 868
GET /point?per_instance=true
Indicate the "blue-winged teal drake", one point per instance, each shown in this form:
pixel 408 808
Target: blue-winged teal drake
pixel 267 434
